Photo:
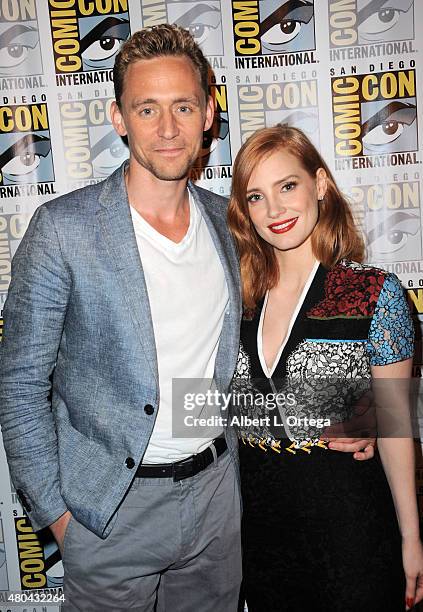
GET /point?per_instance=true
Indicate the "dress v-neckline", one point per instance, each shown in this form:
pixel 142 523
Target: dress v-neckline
pixel 269 372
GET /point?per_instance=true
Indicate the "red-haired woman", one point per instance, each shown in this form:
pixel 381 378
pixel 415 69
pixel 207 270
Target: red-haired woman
pixel 320 530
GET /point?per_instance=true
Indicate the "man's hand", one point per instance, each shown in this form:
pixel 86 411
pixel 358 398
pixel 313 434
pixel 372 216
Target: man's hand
pixel 362 449
pixel 358 435
pixel 59 527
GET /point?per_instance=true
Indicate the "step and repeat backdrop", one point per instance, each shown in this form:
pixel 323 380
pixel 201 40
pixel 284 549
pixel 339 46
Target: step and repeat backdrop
pixel 347 72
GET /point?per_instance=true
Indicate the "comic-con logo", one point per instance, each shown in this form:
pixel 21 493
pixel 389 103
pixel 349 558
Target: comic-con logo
pixel 25 147
pixel 20 52
pixel 264 27
pixel 87 34
pixel 389 215
pixel 93 149
pixel 216 147
pixel 203 20
pixel 39 558
pixel 374 113
pixel 292 103
pixel 368 22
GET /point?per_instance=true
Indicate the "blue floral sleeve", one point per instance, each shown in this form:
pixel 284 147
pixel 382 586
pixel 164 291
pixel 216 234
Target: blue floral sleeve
pixel 391 334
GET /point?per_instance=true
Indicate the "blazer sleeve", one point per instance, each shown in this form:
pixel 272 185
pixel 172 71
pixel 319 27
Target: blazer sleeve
pixel 34 315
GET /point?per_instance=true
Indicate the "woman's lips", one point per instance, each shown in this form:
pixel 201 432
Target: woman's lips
pixel 283 226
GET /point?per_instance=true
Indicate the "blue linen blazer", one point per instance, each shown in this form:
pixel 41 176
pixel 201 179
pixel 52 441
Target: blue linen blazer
pixel 78 360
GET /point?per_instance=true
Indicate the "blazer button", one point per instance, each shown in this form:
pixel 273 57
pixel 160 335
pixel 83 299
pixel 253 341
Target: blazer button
pixel 148 409
pixel 129 462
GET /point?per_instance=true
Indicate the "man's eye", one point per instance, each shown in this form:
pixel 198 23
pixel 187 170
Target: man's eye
pixel 283 32
pixel 146 111
pixel 184 109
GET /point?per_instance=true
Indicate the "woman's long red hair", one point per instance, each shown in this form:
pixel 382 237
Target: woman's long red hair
pixel 335 236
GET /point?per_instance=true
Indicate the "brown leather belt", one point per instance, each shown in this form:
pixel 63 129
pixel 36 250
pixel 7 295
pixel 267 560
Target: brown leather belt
pixel 183 469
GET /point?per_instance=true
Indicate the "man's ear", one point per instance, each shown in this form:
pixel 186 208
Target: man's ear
pixel 209 114
pixel 117 119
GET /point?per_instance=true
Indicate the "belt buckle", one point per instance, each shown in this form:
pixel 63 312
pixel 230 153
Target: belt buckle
pixel 183 469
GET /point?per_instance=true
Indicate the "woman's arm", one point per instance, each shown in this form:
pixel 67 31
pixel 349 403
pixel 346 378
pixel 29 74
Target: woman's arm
pixel 397 455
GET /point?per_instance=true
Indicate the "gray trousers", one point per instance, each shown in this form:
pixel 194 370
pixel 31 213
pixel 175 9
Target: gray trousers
pixel 175 547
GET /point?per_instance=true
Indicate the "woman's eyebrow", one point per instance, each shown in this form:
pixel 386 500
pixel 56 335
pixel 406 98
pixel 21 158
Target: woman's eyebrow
pixel 281 180
pixel 305 11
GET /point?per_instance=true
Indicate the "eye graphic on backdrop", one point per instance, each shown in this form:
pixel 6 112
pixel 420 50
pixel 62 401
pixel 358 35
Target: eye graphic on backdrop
pixel 16 44
pixel 218 131
pixel 200 20
pixel 388 125
pixel 287 23
pixel 53 564
pixel 398 230
pixel 308 122
pixel 385 20
pixel 23 157
pixel 108 153
pixel 100 45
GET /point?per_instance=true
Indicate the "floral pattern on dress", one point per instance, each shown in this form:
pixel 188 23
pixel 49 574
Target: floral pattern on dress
pixel 327 377
pixel 391 335
pixel 351 291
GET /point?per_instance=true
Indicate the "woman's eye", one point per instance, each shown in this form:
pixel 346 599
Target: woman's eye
pixel 253 197
pixel 288 187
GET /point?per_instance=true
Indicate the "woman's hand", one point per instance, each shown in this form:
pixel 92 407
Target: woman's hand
pixel 412 558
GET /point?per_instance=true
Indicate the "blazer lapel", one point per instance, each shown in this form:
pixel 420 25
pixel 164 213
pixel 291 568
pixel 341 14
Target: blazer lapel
pixel 119 236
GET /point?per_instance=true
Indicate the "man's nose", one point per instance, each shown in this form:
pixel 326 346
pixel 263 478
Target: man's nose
pixel 168 126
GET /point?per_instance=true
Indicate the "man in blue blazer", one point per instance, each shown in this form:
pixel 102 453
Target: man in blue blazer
pixel 117 289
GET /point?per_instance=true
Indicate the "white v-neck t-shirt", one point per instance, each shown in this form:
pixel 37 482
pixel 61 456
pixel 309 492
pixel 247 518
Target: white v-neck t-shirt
pixel 188 297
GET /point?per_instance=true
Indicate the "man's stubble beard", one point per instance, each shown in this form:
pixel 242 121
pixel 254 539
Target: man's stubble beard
pixel 164 174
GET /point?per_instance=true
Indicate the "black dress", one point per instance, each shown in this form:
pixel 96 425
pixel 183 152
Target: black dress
pixel 319 528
